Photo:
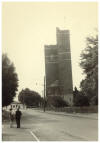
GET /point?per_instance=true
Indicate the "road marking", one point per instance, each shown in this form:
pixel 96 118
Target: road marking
pixel 34 135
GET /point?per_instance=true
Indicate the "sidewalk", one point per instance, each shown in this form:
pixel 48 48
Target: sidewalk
pixel 93 116
pixel 16 134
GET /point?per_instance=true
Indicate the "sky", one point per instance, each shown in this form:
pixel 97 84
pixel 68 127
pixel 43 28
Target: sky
pixel 28 26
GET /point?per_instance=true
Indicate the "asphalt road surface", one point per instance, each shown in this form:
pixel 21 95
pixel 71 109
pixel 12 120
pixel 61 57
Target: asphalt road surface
pixel 39 126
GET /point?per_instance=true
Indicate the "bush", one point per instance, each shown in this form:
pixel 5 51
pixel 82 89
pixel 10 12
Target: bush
pixel 81 100
pixel 56 101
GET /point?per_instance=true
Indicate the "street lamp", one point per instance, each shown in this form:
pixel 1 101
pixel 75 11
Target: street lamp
pixel 44 92
pixel 44 103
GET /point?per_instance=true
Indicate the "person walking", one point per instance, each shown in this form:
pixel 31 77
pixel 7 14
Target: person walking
pixel 18 117
pixel 12 117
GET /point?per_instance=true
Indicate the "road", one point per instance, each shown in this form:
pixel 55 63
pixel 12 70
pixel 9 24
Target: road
pixel 39 126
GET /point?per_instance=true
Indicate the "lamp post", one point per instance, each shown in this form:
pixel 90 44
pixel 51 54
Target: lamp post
pixel 44 93
pixel 44 102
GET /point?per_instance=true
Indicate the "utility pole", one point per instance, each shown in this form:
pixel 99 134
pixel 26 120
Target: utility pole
pixel 44 93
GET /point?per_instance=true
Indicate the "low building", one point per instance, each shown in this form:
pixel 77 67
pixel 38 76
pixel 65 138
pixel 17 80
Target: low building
pixel 15 105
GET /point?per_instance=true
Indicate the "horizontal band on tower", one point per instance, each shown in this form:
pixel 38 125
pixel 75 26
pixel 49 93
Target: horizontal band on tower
pixel 59 61
pixel 51 56
pixel 63 53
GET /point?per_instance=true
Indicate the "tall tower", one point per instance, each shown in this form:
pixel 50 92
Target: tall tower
pixel 51 68
pixel 65 69
pixel 58 67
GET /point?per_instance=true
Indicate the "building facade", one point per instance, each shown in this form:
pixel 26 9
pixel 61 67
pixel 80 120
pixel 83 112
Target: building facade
pixel 58 67
pixel 15 105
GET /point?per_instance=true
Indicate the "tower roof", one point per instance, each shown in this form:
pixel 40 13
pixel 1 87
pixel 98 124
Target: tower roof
pixel 61 31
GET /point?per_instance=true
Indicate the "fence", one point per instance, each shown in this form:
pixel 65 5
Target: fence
pixel 85 109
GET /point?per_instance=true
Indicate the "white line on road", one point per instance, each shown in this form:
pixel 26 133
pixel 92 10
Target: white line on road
pixel 34 135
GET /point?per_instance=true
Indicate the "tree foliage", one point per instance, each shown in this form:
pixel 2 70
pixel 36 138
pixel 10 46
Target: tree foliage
pixel 89 63
pixel 9 81
pixel 29 97
pixel 75 94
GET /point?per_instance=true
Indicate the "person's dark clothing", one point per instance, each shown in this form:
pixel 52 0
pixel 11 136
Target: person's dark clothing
pixel 18 123
pixel 18 117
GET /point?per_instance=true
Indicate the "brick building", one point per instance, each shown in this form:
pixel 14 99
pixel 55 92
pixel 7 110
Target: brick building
pixel 58 67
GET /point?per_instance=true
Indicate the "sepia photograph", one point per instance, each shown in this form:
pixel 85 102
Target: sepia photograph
pixel 49 64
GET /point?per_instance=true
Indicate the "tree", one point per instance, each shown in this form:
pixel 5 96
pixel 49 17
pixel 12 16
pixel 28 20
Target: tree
pixel 89 63
pixel 29 97
pixel 9 81
pixel 75 94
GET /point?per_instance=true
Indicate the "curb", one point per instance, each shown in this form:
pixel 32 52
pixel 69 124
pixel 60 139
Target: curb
pixel 72 115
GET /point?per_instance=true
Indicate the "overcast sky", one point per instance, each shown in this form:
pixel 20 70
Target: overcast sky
pixel 28 26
